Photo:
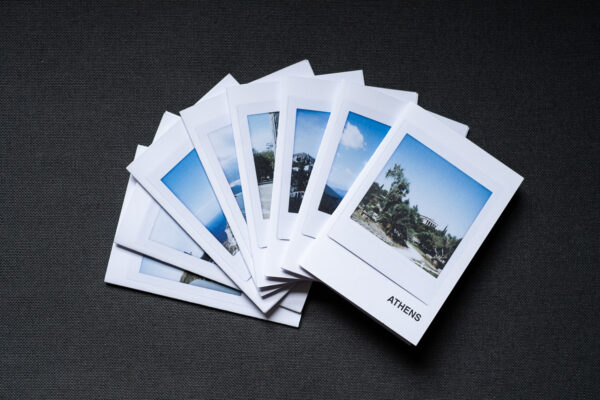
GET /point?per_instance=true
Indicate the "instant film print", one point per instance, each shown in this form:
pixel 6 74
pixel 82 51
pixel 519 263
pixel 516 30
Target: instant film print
pixel 411 223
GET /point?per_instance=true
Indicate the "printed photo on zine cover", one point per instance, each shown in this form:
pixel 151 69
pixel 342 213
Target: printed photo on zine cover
pixel 421 205
pixel 167 232
pixel 223 144
pixel 360 138
pixel 263 135
pixel 308 133
pixel 189 183
pixel 157 269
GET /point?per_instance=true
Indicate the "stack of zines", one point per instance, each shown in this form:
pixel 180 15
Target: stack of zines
pixel 259 189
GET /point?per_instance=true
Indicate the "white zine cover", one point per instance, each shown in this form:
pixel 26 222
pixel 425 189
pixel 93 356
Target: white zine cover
pixel 172 173
pixel 405 232
pixel 254 110
pixel 135 271
pixel 209 126
pixel 306 109
pixel 361 119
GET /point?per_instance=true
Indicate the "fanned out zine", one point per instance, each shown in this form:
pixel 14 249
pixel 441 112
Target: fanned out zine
pixel 259 189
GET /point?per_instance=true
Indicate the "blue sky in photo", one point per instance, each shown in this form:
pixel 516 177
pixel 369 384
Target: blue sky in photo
pixel 310 126
pixel 188 181
pixel 166 231
pixel 438 188
pixel 261 131
pixel 360 138
pixel 158 269
pixel 224 145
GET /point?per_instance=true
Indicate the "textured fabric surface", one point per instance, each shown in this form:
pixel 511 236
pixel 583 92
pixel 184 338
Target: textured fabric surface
pixel 81 85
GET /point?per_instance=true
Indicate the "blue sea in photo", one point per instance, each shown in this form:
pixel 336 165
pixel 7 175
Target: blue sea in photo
pixel 158 269
pixel 167 231
pixel 189 182
pixel 359 140
pixel 224 145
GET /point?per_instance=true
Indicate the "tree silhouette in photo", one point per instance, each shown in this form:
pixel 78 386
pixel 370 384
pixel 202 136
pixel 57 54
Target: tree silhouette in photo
pixel 264 159
pixel 388 214
pixel 302 164
pixel 264 162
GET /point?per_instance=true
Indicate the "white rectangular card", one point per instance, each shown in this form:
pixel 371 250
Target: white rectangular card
pixel 361 120
pixel 209 127
pixel 408 227
pixel 254 110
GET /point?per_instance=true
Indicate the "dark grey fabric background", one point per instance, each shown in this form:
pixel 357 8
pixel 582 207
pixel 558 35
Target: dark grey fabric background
pixel 81 85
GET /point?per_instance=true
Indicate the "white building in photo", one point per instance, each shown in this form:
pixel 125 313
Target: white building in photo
pixel 429 222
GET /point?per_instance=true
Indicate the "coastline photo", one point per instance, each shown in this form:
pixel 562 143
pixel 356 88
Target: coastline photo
pixel 263 135
pixel 421 205
pixel 152 267
pixel 224 146
pixel 188 181
pixel 167 232
pixel 360 138
pixel 308 132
